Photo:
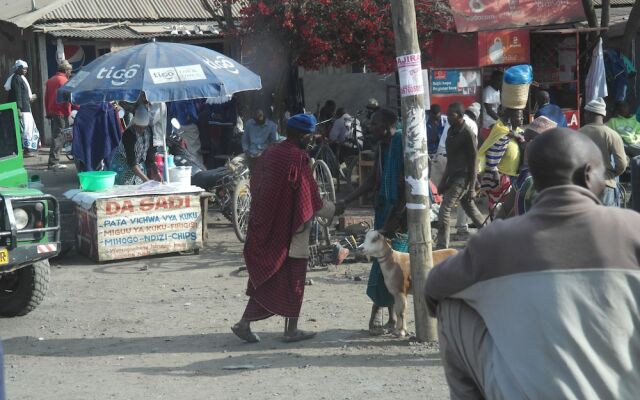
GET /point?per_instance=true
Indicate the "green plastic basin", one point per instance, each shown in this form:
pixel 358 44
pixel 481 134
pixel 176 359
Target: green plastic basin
pixel 95 181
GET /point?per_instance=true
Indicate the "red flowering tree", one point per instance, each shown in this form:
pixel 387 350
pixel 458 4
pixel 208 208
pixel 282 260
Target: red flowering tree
pixel 316 33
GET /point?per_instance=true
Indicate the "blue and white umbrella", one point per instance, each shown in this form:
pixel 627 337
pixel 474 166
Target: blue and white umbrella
pixel 596 82
pixel 163 71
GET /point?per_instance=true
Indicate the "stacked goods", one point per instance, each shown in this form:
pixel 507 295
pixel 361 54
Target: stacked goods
pixel 515 87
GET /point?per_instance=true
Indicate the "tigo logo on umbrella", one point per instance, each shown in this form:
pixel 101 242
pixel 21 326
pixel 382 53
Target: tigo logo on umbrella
pixel 118 76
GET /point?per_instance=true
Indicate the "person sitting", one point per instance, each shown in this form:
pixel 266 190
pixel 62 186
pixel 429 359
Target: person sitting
pixel 627 127
pixel 259 133
pixel 341 134
pixel 551 111
pixel 544 306
pixel 133 159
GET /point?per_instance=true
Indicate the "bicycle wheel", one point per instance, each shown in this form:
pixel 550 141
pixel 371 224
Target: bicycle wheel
pixel 323 177
pixel 241 208
pixel 351 172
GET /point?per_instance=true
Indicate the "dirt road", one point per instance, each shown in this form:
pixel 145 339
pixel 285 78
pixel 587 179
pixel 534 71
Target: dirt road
pixel 159 329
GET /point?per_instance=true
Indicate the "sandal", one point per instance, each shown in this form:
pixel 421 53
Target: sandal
pixel 245 334
pixel 376 330
pixel 298 336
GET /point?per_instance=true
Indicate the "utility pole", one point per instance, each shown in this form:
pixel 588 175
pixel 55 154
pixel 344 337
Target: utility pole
pixel 416 159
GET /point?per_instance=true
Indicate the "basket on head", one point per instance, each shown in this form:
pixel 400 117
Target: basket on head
pixel 515 87
pixel 515 96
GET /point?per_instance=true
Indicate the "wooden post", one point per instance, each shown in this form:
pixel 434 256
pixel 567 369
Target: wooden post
pixel 416 159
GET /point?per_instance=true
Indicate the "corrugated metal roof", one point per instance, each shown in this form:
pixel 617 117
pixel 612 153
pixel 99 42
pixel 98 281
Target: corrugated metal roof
pixel 615 3
pixel 139 10
pixel 127 31
pixel 111 10
pixel 13 8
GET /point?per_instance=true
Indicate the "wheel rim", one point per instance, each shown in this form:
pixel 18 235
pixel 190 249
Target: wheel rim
pixel 324 180
pixel 244 208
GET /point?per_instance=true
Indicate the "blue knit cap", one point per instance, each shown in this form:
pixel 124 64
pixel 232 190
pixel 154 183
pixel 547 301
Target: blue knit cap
pixel 304 122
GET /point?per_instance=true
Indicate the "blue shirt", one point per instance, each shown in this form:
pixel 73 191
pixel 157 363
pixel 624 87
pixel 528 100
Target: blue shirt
pixel 434 133
pixel 258 137
pixel 554 113
pixel 186 111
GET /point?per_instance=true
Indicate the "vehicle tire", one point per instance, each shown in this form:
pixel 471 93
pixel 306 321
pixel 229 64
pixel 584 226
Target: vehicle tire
pixel 241 208
pixel 23 290
pixel 323 177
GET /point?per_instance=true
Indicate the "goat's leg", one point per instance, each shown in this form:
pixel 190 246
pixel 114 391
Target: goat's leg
pixel 404 313
pixel 399 308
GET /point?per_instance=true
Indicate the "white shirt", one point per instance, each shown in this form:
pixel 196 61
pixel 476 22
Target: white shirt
pixel 492 97
pixel 442 149
pixel 340 131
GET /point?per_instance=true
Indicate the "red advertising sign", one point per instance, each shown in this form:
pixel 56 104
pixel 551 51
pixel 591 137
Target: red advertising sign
pixel 573 118
pixel 503 47
pixel 486 15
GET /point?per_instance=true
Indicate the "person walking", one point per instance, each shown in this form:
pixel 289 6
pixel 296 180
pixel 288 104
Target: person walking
pixel 285 197
pixel 387 182
pixel 611 146
pixel 459 178
pixel 545 305
pixel 57 113
pixel 491 102
pixel 20 92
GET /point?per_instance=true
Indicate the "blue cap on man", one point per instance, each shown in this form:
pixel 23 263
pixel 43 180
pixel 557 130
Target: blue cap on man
pixel 304 122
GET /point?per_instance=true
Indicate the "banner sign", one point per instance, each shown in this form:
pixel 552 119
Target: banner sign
pixel 504 47
pixel 140 226
pixel 459 82
pixel 410 73
pixel 486 15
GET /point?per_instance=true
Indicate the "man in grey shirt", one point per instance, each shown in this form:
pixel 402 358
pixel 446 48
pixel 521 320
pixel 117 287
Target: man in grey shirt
pixel 545 305
pixel 611 146
pixel 259 133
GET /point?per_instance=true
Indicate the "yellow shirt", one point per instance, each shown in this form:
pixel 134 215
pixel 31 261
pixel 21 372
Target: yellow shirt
pixel 510 161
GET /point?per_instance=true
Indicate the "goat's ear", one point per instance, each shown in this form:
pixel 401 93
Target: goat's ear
pixel 388 241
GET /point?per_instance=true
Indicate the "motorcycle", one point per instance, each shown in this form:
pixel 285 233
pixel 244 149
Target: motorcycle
pixel 229 185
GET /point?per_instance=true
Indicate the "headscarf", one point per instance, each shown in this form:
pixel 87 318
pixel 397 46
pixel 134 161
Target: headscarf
pixel 17 65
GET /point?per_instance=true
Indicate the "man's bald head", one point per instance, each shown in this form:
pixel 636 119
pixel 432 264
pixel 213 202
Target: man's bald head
pixel 542 98
pixel 562 156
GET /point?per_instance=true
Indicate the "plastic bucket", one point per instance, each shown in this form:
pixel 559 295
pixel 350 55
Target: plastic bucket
pixel 181 175
pixel 95 181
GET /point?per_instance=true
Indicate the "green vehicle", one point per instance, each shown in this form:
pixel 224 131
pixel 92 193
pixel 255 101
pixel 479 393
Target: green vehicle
pixel 29 226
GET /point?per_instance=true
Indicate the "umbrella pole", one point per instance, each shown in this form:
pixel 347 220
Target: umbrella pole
pixel 166 158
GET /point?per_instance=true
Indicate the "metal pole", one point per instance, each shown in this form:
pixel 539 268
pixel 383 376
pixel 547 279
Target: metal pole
pixel 416 159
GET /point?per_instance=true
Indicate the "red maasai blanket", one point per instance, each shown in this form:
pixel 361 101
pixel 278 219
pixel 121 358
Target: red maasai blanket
pixel 284 196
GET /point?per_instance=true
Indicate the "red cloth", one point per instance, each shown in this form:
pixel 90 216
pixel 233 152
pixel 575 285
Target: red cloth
pixel 281 295
pixel 284 196
pixel 51 106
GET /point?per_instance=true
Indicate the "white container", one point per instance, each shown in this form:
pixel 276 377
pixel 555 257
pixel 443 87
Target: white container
pixel 180 175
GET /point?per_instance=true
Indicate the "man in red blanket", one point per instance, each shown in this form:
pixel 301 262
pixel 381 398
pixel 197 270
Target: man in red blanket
pixel 285 198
